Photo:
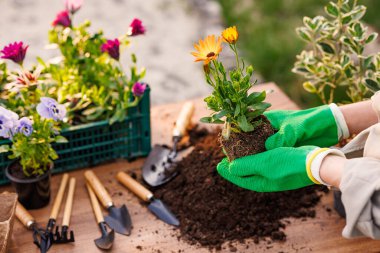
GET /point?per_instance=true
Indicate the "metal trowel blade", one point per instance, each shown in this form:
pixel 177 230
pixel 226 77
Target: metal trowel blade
pixel 156 169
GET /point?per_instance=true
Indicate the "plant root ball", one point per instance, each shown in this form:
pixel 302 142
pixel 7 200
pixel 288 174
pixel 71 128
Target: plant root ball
pixel 245 144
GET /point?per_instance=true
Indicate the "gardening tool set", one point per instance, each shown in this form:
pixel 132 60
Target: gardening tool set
pixel 159 167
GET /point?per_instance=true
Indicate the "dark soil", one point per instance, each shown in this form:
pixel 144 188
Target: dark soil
pixel 212 210
pixel 244 144
pixel 17 172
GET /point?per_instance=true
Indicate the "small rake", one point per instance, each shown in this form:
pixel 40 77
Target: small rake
pixel 39 234
pixel 63 235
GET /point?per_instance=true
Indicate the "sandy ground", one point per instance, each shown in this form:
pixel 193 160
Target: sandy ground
pixel 172 28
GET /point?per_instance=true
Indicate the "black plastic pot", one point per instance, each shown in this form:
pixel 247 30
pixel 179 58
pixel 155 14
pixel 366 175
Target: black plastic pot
pixel 33 193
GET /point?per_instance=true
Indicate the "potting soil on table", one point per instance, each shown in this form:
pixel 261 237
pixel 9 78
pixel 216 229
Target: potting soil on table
pixel 212 210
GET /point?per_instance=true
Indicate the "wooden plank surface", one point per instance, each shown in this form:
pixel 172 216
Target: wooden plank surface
pixel 321 234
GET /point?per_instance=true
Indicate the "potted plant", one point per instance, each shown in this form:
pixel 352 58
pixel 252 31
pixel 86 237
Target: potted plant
pixel 245 127
pixel 31 150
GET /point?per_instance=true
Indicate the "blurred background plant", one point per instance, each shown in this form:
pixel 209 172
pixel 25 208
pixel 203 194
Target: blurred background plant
pixel 269 40
pixel 89 77
pixel 336 59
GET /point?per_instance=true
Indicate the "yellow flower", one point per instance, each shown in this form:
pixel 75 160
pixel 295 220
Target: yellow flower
pixel 230 35
pixel 208 49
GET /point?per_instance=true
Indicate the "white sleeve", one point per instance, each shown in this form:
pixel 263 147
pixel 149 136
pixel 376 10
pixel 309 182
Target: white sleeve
pixel 343 132
pixel 360 186
pixel 317 162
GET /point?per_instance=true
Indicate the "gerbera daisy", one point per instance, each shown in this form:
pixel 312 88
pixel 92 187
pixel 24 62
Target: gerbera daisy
pixel 230 35
pixel 208 49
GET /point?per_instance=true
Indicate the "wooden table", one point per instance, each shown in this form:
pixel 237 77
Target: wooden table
pixel 321 234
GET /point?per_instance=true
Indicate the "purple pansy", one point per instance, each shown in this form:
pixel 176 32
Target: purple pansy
pixel 25 126
pixel 50 109
pixel 8 122
pixel 112 47
pixel 136 28
pixel 62 19
pixel 138 89
pixel 73 5
pixel 15 51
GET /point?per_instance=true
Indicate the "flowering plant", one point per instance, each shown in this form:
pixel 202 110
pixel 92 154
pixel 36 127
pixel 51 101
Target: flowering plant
pixel 32 136
pixel 21 89
pixel 230 101
pixel 336 59
pixel 90 78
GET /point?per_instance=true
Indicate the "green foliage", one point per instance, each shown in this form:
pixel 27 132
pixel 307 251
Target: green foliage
pixel 230 100
pixel 3 74
pixel 35 152
pixel 269 42
pixel 337 55
pixel 91 83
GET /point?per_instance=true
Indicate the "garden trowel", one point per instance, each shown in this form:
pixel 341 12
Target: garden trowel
pixel 155 205
pixel 118 218
pixel 158 167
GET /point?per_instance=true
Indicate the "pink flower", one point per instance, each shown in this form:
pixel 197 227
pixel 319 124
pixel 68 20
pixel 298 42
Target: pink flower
pixel 62 19
pixel 112 48
pixel 136 28
pixel 138 89
pixel 73 5
pixel 15 51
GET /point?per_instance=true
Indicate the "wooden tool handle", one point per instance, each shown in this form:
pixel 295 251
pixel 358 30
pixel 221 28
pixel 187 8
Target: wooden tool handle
pixel 95 204
pixel 183 119
pixel 134 186
pixel 69 203
pixel 24 216
pixel 59 197
pixel 98 188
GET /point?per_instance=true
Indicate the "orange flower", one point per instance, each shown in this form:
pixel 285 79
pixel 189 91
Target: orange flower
pixel 230 35
pixel 208 49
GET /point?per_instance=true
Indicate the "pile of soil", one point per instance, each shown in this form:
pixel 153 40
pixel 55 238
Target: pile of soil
pixel 212 210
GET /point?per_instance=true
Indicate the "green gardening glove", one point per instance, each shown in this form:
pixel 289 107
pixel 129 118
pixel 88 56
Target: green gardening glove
pixel 315 126
pixel 278 169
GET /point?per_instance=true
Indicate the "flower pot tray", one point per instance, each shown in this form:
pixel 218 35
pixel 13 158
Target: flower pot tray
pixel 320 234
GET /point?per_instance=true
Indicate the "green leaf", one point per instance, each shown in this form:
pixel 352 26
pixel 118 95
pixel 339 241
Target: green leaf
pixel 260 106
pixel 255 97
pixel 309 87
pixel 237 110
pixel 61 139
pixel 372 85
pixel 346 19
pixel 206 120
pixel 303 34
pixel 332 9
pixel 4 148
pixel 219 115
pixel 371 38
pixel 244 125
pixel 327 48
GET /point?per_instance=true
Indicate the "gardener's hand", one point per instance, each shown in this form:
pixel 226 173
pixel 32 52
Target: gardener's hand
pixel 321 126
pixel 280 169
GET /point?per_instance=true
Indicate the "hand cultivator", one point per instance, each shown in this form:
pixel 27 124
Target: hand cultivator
pixel 62 237
pixel 30 223
pixel 47 240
